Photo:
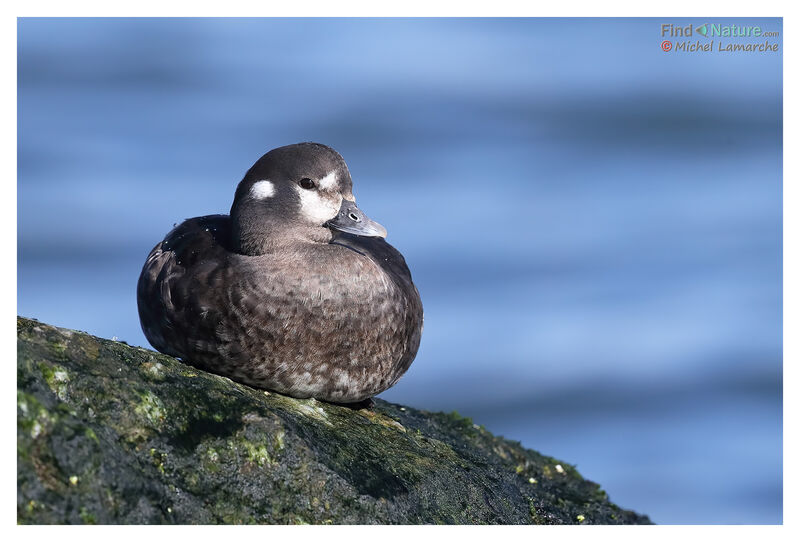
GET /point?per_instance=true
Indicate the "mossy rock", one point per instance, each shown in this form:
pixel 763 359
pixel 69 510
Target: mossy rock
pixel 109 433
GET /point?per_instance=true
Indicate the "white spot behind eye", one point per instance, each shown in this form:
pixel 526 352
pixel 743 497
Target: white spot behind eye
pixel 328 181
pixel 262 189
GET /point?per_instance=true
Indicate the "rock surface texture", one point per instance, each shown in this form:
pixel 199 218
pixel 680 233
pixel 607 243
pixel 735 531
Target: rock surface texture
pixel 109 433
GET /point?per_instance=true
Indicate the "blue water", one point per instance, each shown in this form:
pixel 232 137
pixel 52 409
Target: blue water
pixel 594 225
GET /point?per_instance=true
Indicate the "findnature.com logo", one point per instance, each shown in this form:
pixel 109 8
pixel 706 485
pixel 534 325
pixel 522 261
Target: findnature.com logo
pixel 722 34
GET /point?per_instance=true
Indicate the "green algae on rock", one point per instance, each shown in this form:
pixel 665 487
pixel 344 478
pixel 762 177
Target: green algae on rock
pixel 109 433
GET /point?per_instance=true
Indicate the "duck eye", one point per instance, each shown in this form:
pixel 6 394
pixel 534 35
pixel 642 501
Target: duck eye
pixel 307 183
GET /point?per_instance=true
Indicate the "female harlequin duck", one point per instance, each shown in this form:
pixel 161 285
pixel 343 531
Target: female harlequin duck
pixel 296 291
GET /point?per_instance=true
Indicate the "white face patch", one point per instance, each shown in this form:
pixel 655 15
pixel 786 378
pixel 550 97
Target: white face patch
pixel 262 189
pixel 329 181
pixel 315 208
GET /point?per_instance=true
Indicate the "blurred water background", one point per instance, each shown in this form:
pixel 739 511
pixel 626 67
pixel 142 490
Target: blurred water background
pixel 594 224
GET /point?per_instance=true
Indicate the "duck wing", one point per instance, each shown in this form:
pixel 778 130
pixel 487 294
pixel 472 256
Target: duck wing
pixel 179 275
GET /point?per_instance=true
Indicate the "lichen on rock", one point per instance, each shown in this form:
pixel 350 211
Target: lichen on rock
pixel 109 433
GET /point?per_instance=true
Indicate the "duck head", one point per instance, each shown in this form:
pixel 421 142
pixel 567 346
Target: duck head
pixel 297 193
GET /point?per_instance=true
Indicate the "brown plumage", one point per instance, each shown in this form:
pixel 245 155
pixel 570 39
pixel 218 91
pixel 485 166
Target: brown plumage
pixel 283 294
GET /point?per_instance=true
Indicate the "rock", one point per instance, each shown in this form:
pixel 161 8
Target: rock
pixel 109 433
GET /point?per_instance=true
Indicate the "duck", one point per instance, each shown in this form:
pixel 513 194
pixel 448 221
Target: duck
pixel 295 291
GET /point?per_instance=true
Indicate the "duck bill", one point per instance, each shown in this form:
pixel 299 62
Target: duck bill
pixel 351 219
